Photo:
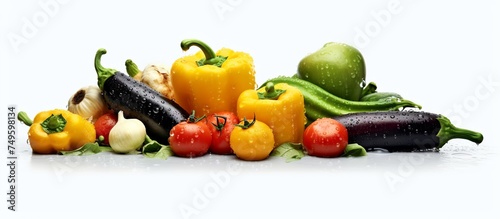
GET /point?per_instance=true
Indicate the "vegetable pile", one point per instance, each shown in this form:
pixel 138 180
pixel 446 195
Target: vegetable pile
pixel 326 109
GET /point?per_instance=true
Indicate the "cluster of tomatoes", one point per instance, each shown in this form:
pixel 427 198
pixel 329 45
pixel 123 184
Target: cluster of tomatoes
pixel 323 138
pixel 196 137
pixel 212 134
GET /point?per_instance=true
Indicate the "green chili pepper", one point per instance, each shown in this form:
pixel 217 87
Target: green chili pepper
pixel 319 103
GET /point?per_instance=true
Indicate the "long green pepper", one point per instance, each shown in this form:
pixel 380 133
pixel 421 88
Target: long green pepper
pixel 319 103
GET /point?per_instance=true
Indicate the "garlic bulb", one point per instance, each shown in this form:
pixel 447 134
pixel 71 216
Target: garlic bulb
pixel 157 77
pixel 127 135
pixel 88 103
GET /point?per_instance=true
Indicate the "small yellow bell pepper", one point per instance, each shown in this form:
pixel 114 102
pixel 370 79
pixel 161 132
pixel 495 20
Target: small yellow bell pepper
pixel 58 130
pixel 207 82
pixel 280 106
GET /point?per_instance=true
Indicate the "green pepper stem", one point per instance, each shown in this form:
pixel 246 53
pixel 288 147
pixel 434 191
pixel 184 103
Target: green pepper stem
pixel 54 124
pixel 270 92
pixel 102 73
pixel 24 118
pixel 210 57
pixel 448 131
pixel 132 69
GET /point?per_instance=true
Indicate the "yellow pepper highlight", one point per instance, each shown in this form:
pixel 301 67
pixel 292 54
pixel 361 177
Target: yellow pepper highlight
pixel 280 106
pixel 67 131
pixel 209 82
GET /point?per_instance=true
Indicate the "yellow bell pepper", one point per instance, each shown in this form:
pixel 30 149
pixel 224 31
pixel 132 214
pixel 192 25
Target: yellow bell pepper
pixel 58 130
pixel 280 106
pixel 207 82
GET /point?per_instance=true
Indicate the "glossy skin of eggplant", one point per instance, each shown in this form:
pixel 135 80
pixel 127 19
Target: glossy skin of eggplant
pixel 393 130
pixel 137 100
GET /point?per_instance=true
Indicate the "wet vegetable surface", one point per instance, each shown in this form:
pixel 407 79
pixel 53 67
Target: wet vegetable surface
pixel 403 130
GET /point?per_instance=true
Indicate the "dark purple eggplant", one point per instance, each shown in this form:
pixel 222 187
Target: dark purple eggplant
pixel 137 100
pixel 403 130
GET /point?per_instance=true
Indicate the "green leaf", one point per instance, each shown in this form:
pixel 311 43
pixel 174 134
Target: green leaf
pixel 106 148
pixel 354 150
pixel 289 151
pixel 87 149
pixel 153 149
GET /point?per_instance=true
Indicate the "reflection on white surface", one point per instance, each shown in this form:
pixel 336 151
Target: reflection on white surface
pixel 448 157
pixel 462 177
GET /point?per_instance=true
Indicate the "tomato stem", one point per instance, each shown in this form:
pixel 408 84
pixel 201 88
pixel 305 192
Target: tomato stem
pixel 219 126
pixel 247 124
pixel 192 118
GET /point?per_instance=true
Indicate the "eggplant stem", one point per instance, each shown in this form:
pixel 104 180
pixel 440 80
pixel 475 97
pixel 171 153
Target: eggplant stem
pixel 449 131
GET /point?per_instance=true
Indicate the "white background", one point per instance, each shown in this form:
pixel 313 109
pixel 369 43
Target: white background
pixel 443 56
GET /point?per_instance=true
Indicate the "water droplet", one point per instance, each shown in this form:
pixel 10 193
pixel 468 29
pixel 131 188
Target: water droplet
pixel 392 117
pixel 156 110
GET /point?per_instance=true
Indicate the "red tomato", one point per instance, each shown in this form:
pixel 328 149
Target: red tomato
pixel 221 125
pixel 190 139
pixel 325 137
pixel 103 125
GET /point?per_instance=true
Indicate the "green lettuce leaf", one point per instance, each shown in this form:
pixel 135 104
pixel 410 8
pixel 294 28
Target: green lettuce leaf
pixel 153 149
pixel 354 150
pixel 289 151
pixel 87 149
